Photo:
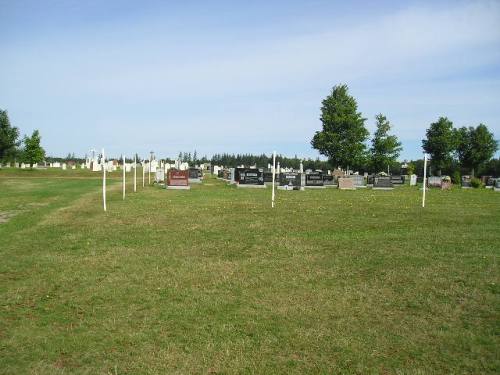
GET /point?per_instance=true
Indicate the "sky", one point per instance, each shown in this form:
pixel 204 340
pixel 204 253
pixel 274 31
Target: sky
pixel 241 77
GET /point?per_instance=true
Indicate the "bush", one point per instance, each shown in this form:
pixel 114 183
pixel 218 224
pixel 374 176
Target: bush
pixel 476 182
pixel 456 178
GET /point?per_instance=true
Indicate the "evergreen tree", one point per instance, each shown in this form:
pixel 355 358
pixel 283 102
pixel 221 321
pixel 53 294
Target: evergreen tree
pixel 385 148
pixel 343 134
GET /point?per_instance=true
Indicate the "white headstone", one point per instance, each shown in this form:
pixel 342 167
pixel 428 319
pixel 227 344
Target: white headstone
pixel 413 180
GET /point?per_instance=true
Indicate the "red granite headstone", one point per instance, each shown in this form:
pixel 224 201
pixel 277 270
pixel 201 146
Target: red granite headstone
pixel 178 178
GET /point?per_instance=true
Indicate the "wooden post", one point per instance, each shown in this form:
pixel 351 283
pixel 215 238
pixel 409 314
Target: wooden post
pixel 143 171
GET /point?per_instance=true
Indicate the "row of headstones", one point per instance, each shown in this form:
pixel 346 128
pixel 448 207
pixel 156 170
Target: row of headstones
pixel 296 180
pixel 62 166
pixel 444 183
pixel 173 178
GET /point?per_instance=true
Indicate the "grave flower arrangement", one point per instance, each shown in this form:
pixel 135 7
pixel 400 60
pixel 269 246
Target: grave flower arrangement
pixel 445 183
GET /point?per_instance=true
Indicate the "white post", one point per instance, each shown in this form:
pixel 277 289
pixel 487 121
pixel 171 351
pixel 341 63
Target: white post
pixel 135 173
pixel 149 171
pixel 103 181
pixel 123 166
pixel 425 180
pixel 143 171
pixel 274 174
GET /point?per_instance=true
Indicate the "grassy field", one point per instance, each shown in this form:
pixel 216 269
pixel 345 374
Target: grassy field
pixel 213 281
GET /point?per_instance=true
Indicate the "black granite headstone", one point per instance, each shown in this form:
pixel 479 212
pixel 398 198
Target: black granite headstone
pixel 252 176
pixel 291 179
pixel 314 179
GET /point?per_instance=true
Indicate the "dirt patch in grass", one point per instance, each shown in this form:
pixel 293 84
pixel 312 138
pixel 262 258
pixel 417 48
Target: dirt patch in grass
pixel 5 216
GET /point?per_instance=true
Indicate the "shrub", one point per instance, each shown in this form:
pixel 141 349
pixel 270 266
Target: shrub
pixel 456 178
pixel 476 182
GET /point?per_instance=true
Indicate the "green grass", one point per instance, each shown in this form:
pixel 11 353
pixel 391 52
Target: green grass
pixel 213 280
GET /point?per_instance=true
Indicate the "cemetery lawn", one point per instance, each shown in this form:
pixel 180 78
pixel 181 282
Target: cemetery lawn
pixel 213 281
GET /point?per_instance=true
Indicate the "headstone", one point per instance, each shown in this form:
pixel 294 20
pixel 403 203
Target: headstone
pixel 382 183
pixel 413 180
pixel 290 181
pixel 338 173
pixel 434 181
pixel 490 182
pixel 466 182
pixel 178 179
pixel 314 180
pixel 232 175
pixel 329 181
pixel 496 187
pixel 268 177
pixel 397 180
pixel 358 181
pixel 159 176
pixel 194 175
pixel 251 177
pixel 346 183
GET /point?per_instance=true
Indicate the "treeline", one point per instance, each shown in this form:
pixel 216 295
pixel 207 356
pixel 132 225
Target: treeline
pixel 343 139
pixel 262 160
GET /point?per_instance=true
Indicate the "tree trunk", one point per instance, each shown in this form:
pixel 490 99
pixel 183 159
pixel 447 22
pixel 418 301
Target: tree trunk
pixel 472 172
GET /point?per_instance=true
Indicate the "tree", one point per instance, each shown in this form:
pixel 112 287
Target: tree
pixel 475 146
pixel 440 143
pixel 385 148
pixel 8 137
pixel 33 152
pixel 343 134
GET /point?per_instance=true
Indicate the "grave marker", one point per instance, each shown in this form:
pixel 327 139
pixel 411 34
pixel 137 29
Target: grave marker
pixel 383 183
pixel 346 183
pixel 178 179
pixel 290 181
pixel 314 180
pixel 251 177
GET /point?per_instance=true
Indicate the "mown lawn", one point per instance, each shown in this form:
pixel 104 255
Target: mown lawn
pixel 213 280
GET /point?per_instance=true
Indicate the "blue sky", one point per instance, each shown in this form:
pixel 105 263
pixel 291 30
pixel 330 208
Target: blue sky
pixel 226 76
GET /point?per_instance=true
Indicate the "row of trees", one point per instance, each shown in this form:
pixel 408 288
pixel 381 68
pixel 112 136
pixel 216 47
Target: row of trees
pixel 27 150
pixel 470 147
pixel 343 138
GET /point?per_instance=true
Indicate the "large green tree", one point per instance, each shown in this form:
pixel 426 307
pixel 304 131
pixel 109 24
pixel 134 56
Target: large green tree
pixel 33 151
pixel 9 136
pixel 440 143
pixel 475 146
pixel 343 134
pixel 385 148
